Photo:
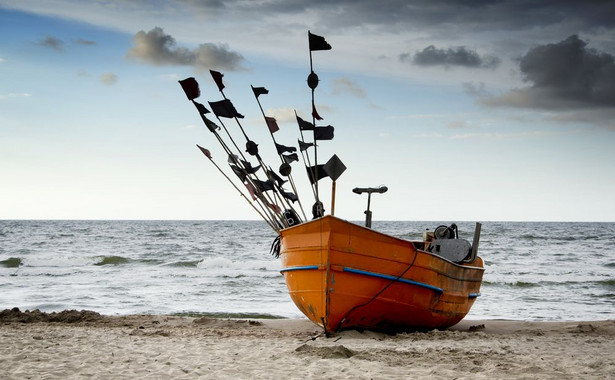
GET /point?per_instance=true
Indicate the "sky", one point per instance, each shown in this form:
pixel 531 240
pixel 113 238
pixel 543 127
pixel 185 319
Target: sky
pixel 466 110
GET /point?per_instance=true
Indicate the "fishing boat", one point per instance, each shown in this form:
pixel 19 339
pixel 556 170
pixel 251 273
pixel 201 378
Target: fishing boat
pixel 340 274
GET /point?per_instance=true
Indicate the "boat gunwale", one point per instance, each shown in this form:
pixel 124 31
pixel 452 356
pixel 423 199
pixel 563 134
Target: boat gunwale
pixel 381 234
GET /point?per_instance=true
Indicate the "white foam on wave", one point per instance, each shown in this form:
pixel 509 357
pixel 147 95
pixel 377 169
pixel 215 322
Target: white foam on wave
pixel 251 265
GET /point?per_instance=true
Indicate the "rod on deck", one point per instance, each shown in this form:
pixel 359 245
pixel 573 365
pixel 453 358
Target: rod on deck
pixel 369 191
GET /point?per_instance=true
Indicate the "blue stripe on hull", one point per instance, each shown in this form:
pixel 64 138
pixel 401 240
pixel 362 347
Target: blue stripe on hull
pixel 305 267
pixel 387 277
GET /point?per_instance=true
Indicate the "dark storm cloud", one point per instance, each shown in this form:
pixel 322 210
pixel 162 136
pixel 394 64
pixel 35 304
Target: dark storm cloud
pixel 157 48
pixel 52 42
pixel 563 75
pixel 568 77
pixel 569 70
pixel 458 56
pixel 404 14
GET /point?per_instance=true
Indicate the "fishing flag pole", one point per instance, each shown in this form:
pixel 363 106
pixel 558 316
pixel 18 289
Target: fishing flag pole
pixel 272 127
pixel 192 91
pixel 303 146
pixel 315 43
pixel 240 165
pixel 225 108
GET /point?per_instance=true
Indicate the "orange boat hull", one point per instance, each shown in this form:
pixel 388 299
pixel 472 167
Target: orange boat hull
pixel 343 276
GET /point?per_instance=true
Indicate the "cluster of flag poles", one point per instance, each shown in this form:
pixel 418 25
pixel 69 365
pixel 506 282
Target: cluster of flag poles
pixel 267 196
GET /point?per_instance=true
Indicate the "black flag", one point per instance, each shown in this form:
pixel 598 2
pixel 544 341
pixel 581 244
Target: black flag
pixel 259 91
pixel 232 158
pixel 304 125
pixel 249 169
pixel 273 176
pixel 210 124
pixel 283 148
pixel 263 185
pixel 201 108
pixel 191 88
pixel 289 195
pixel 240 173
pixel 218 79
pixel 318 42
pixel 288 158
pixel 320 173
pixel 224 108
pixel 323 133
pixel 303 145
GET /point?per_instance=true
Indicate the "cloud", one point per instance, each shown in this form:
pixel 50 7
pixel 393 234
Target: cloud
pixel 108 79
pixel 52 42
pixel 563 76
pixel 282 115
pixel 82 41
pixel 499 135
pixel 457 124
pixel 157 48
pixel 13 95
pixel 474 89
pixel 345 85
pixel 379 16
pixel 458 56
pixel 603 117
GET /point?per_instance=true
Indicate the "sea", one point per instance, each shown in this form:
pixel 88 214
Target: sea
pixel 533 271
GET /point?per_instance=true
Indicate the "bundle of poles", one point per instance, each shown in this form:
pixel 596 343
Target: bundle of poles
pixel 265 192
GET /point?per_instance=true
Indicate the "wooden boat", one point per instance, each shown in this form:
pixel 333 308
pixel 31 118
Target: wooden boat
pixel 342 276
pixel 339 274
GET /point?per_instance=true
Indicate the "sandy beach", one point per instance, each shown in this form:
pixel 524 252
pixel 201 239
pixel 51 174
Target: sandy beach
pixel 84 344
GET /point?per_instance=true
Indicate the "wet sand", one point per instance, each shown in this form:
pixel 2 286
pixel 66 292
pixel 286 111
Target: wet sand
pixel 83 344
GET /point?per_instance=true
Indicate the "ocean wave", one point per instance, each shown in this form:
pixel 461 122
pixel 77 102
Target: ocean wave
pixel 562 238
pixel 11 262
pixel 528 284
pixel 216 263
pixel 150 261
pixel 159 234
pixel 524 284
pixel 61 236
pixel 233 244
pixel 609 283
pixel 112 260
pixel 184 264
pixel 515 284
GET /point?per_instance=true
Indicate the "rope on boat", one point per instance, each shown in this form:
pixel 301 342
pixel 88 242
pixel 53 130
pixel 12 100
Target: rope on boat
pixel 275 247
pixel 416 253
